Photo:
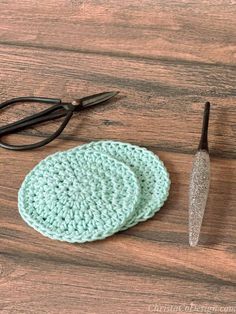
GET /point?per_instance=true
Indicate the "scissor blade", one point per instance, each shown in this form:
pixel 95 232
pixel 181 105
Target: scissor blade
pixel 95 99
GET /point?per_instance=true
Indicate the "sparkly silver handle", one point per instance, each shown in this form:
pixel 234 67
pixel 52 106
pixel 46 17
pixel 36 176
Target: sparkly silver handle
pixel 198 193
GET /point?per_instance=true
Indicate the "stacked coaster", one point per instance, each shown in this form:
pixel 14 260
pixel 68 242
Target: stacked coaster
pixel 93 191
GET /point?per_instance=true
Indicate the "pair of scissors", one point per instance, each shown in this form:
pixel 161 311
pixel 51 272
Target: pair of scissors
pixel 58 110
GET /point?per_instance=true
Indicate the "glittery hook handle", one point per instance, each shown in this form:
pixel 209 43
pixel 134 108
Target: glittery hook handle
pixel 199 182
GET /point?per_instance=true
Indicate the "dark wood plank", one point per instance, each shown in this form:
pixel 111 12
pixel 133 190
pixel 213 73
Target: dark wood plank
pixel 185 30
pixel 154 255
pixel 179 165
pixel 166 58
pixel 160 104
pixel 44 286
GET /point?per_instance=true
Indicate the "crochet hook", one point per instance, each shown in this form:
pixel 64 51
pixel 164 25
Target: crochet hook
pixel 199 182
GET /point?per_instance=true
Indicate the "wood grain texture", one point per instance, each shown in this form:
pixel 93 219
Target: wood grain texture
pixel 186 30
pixel 154 255
pixel 167 58
pixel 160 106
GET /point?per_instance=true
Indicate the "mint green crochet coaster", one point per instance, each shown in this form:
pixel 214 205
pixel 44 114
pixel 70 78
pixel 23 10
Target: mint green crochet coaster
pixel 78 196
pixel 149 169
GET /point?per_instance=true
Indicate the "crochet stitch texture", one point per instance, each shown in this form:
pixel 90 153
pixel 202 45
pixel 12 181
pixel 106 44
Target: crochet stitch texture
pixel 92 191
pixel 149 169
pixel 78 196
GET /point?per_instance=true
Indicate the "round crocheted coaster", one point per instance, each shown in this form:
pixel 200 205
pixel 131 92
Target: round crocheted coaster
pixel 149 169
pixel 78 196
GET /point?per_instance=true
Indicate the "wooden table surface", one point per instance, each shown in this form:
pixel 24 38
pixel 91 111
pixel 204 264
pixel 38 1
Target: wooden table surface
pixel 166 58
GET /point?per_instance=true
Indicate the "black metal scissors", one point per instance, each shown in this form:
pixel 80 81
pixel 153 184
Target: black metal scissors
pixel 58 110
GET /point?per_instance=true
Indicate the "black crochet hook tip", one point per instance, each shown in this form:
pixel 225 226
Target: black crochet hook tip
pixel 93 100
pixel 203 144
